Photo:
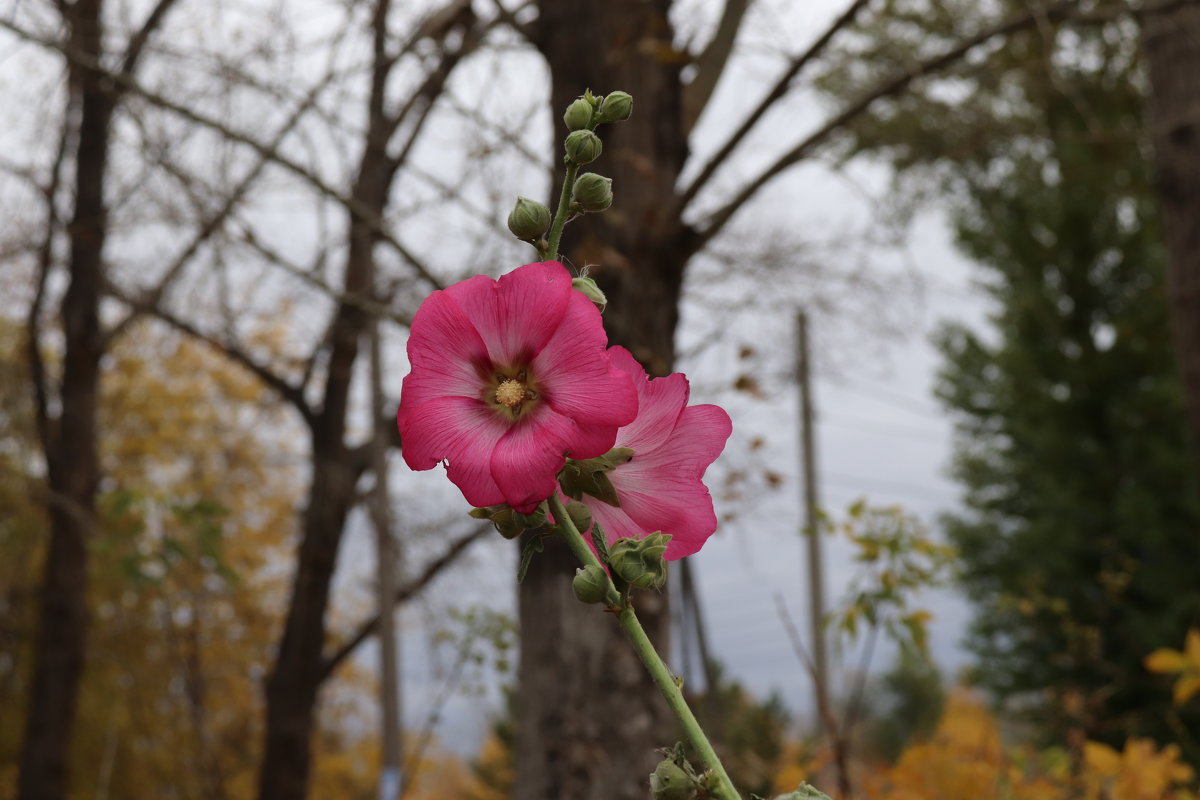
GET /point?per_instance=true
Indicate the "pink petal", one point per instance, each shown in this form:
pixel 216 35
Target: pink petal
pixel 575 375
pixel 447 356
pixel 681 508
pixel 516 315
pixel 614 521
pixel 662 489
pixel 526 461
pixel 463 432
pixel 660 400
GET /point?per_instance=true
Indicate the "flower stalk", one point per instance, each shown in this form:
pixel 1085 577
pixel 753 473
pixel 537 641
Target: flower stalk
pixel 564 211
pixel 659 672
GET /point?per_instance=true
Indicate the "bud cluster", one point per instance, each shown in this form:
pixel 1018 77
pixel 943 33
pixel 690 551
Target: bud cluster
pixel 589 193
pixel 639 562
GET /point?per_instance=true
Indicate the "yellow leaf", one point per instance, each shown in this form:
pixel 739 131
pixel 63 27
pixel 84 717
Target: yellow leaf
pixel 1186 687
pixel 1101 758
pixel 1165 660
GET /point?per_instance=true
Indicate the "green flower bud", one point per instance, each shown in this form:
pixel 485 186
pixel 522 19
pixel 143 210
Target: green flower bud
pixel 529 219
pixel 536 519
pixel 591 291
pixel 578 115
pixel 583 147
pixel 592 192
pixel 804 792
pixel 581 516
pixel 670 782
pixel 590 584
pixel 617 107
pixel 639 562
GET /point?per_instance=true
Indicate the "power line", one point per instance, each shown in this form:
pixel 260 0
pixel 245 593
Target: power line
pixel 890 397
pixel 914 432
pixel 884 483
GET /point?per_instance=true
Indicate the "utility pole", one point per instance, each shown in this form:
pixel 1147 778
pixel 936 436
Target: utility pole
pixel 816 588
pixel 391 776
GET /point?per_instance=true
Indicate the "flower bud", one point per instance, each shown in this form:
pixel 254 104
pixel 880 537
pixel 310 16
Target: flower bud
pixel 581 516
pixel 591 291
pixel 529 219
pixel 592 192
pixel 578 115
pixel 590 584
pixel 617 107
pixel 639 562
pixel 804 792
pixel 669 781
pixel 583 147
pixel 534 519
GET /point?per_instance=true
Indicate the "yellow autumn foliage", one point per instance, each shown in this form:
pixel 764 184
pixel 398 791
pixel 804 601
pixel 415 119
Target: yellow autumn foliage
pixel 1184 663
pixel 202 477
pixel 966 758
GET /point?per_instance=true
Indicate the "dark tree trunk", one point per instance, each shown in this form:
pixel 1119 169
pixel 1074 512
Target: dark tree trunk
pixel 301 664
pixel 588 717
pixel 299 669
pixel 1172 48
pixel 70 443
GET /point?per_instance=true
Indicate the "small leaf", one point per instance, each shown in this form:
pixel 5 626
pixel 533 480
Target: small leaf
pixel 533 545
pixel 600 542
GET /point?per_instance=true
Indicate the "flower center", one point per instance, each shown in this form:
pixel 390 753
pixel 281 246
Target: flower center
pixel 511 393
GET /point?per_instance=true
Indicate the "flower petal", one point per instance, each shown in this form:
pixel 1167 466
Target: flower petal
pixel 660 401
pixel 614 521
pixel 462 431
pixel 662 490
pixel 516 315
pixel 447 356
pixel 526 461
pixel 575 375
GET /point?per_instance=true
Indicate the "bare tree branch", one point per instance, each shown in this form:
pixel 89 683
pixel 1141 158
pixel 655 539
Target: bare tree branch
pixel 719 218
pixel 292 393
pixel 777 91
pixel 711 63
pixel 367 629
pixel 356 208
pixel 137 44
pixel 37 367
pixel 153 297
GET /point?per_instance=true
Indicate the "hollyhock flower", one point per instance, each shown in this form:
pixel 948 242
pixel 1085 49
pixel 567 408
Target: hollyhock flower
pixel 508 377
pixel 661 487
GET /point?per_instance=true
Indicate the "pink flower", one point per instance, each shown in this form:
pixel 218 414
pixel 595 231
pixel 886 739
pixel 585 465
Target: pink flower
pixel 508 377
pixel 661 488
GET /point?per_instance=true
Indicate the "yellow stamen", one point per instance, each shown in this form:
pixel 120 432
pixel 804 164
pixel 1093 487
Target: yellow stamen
pixel 511 393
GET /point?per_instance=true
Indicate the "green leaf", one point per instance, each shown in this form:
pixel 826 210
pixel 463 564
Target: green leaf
pixel 600 542
pixel 532 546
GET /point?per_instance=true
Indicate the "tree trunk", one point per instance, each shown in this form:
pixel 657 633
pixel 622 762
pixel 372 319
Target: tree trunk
pixel 299 669
pixel 70 444
pixel 1171 41
pixel 299 666
pixel 588 716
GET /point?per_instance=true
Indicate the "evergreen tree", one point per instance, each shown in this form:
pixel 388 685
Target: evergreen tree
pixel 1080 532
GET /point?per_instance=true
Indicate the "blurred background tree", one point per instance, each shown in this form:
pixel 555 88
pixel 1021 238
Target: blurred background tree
pixel 1079 529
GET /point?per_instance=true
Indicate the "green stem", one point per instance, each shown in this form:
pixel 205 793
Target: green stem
pixel 564 210
pixel 662 676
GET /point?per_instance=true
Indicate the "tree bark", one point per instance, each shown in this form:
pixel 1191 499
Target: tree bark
pixel 298 672
pixel 588 716
pixel 301 665
pixel 69 442
pixel 1171 41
